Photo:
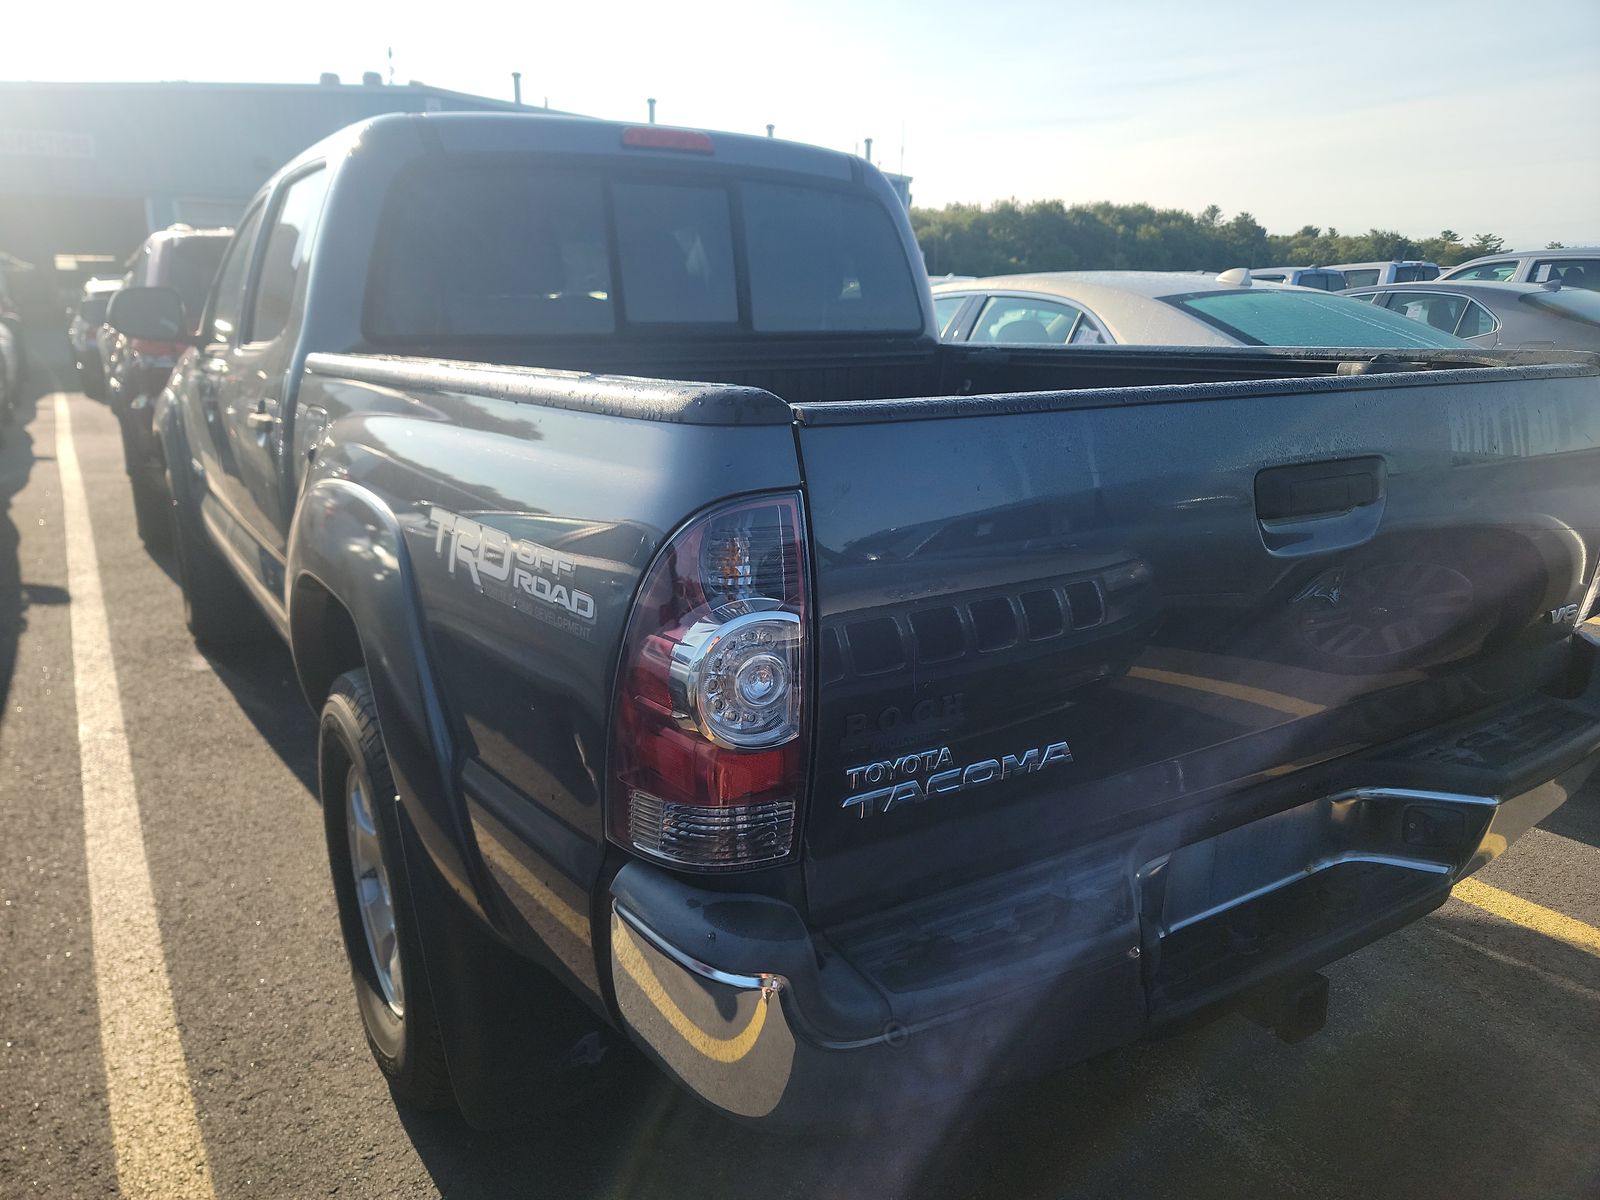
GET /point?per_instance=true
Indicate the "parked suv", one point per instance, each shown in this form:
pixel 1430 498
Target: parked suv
pixel 88 315
pixel 1368 274
pixel 1578 267
pixel 136 369
pixel 1322 278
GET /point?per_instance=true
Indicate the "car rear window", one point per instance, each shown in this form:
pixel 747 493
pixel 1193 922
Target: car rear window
pixel 1415 273
pixel 190 266
pixel 498 248
pixel 1576 304
pixel 1272 318
pixel 823 261
pixel 1327 281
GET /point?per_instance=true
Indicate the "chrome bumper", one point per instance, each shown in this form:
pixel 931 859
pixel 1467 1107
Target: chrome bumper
pixel 768 1020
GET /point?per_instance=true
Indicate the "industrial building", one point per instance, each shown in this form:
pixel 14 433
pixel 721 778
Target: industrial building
pixel 88 169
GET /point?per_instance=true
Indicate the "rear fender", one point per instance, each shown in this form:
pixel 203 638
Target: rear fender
pixel 346 540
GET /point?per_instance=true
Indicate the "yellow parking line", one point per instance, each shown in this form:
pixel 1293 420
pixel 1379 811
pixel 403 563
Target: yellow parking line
pixel 155 1128
pixel 1276 701
pixel 1529 915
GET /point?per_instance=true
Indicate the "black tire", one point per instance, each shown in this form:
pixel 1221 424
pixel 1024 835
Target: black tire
pixel 217 609
pixel 405 1041
pixel 92 377
pixel 150 515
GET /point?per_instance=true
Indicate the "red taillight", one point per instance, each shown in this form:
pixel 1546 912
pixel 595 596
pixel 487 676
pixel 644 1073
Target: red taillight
pixel 708 748
pixel 146 348
pixel 658 137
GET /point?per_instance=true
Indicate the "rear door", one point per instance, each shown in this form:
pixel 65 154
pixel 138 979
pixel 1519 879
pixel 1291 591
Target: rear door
pixel 253 404
pixel 1044 621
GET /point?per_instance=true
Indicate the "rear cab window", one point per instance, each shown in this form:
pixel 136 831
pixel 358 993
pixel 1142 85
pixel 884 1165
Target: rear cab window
pixel 1363 278
pixel 1276 318
pixel 473 248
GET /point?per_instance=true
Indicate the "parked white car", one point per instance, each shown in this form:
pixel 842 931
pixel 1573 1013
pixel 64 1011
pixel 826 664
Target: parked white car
pixel 1166 308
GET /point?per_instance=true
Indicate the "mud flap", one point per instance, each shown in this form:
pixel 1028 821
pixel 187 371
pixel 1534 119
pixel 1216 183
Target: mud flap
pixel 518 1043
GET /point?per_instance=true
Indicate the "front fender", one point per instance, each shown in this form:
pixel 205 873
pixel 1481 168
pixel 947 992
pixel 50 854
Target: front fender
pixel 346 545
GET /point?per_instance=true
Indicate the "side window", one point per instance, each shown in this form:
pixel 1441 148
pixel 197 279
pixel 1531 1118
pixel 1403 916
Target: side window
pixel 288 247
pixel 945 309
pixel 1441 311
pixel 227 294
pixel 1019 320
pixel 1495 272
pixel 1572 272
pixel 1477 321
pixel 1364 278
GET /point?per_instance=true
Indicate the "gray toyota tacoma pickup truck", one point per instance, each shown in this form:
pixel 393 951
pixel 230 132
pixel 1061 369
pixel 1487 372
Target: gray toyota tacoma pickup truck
pixel 709 658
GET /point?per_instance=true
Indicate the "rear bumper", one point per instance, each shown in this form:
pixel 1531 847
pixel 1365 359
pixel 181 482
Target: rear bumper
pixel 768 1020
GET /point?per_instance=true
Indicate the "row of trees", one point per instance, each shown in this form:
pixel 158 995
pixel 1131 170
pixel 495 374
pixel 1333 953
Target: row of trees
pixel 1046 235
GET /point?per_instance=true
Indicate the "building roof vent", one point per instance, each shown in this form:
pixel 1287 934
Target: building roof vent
pixel 371 79
pixel 328 79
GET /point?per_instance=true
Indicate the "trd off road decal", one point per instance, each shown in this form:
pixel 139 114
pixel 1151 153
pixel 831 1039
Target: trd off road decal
pixel 515 571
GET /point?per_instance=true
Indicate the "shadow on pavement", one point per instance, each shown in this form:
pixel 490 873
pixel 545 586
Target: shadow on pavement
pixel 260 674
pixel 1387 1102
pixel 16 465
pixel 1578 818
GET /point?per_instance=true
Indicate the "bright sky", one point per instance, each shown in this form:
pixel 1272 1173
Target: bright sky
pixel 1416 115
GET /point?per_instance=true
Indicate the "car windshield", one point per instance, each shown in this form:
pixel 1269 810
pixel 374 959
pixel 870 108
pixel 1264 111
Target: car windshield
pixel 1576 304
pixel 1275 318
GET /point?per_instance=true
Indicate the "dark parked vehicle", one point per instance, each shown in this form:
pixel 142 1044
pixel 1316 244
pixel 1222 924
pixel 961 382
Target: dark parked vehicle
pixel 13 366
pixel 88 316
pixel 136 369
pixel 10 376
pixel 1498 315
pixel 881 718
pixel 1324 279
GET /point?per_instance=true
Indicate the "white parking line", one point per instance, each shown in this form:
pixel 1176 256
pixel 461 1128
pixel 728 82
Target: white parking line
pixel 155 1131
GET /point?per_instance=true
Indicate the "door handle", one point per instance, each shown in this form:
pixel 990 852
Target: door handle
pixel 1311 508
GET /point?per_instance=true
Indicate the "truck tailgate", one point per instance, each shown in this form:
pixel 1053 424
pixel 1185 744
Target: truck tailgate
pixel 1048 618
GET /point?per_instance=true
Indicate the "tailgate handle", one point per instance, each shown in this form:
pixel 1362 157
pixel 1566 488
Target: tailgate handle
pixel 1320 489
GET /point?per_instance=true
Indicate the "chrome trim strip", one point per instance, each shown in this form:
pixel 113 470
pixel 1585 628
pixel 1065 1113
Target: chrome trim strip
pixel 756 983
pixel 1384 793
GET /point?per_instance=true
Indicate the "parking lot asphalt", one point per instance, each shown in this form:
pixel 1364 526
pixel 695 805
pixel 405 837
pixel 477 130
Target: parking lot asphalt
pixel 1461 1058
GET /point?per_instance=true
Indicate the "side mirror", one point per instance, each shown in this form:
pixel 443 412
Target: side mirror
pixel 153 313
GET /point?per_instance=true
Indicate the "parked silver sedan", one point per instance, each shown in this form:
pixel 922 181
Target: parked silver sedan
pixel 1166 308
pixel 1497 315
